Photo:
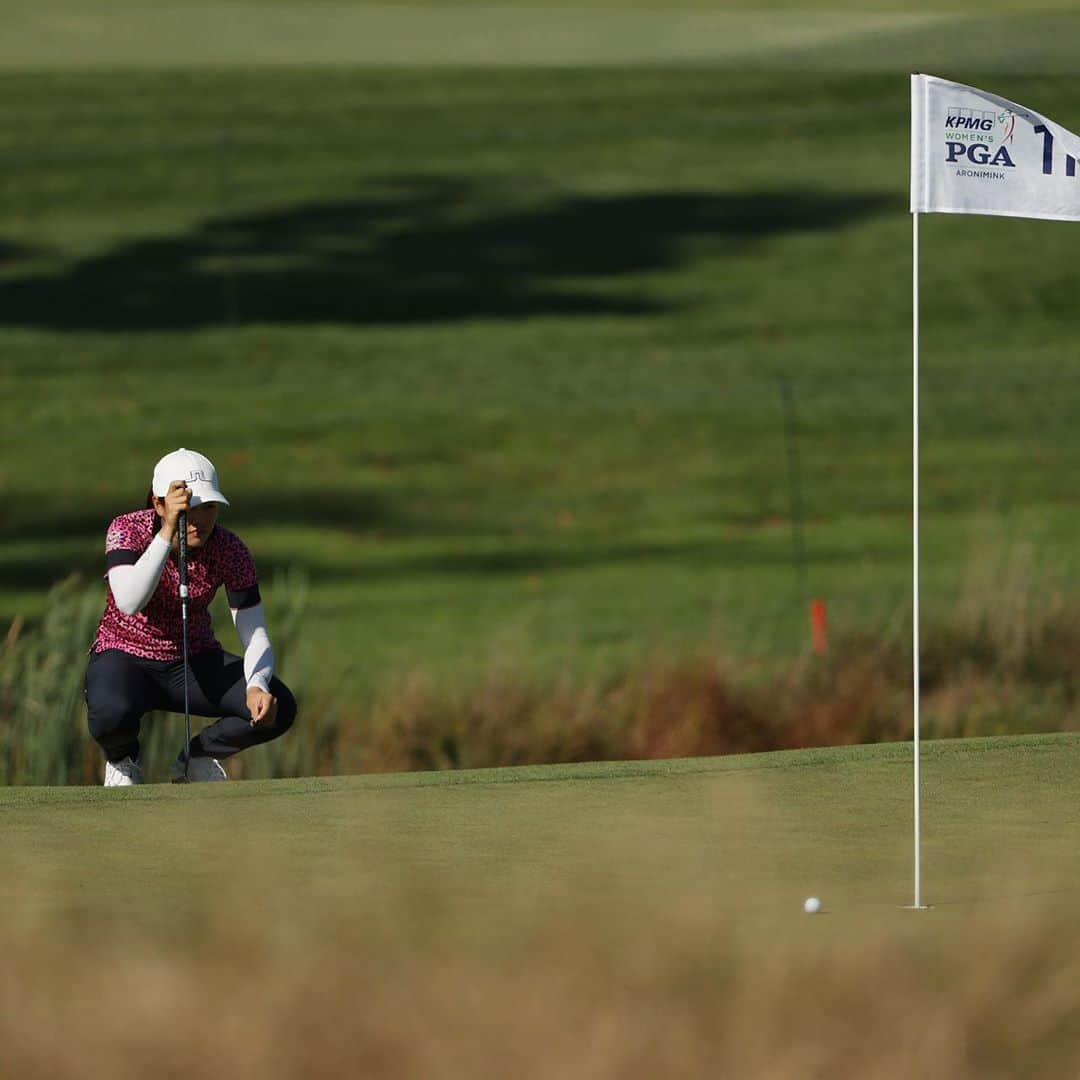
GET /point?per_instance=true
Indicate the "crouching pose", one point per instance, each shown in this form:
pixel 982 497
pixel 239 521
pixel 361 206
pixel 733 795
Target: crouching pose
pixel 136 662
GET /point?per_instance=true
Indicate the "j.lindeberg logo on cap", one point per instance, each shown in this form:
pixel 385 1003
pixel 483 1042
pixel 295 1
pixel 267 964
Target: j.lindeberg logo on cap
pixel 193 470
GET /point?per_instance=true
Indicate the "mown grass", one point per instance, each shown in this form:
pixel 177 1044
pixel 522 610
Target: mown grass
pixel 495 356
pixel 1002 34
pixel 502 363
pixel 600 920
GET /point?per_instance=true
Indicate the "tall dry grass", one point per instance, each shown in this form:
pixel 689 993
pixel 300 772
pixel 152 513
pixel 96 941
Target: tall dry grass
pixel 666 707
pixel 1008 659
pixel 607 989
pixel 1005 660
pixel 42 668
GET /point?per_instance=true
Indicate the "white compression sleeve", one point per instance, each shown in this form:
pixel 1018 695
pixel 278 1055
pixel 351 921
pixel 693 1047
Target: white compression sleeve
pixel 133 585
pixel 258 653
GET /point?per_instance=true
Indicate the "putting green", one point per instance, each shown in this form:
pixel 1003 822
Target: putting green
pixel 755 834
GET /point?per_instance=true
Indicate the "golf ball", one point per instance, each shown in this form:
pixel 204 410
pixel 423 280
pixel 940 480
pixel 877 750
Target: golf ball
pixel 812 905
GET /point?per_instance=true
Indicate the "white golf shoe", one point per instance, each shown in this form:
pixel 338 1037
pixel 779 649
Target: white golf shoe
pixel 200 769
pixel 125 773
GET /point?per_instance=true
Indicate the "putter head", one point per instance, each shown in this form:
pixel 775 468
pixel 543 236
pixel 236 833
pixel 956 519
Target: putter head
pixel 179 773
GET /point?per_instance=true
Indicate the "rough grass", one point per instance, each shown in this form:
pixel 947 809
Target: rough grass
pixel 577 1001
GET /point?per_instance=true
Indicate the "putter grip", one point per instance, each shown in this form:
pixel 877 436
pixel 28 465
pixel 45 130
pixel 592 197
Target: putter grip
pixel 181 528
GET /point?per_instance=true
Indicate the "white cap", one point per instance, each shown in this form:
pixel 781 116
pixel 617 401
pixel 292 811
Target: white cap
pixel 196 471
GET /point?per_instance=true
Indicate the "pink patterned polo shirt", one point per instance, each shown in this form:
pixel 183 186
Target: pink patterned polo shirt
pixel 156 632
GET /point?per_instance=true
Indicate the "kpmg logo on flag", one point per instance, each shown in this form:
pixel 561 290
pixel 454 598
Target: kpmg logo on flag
pixel 969 119
pixel 990 126
pixel 971 136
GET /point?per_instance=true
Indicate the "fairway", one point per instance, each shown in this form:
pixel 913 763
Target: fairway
pixel 534 343
pixel 511 295
pixel 774 35
pixel 511 348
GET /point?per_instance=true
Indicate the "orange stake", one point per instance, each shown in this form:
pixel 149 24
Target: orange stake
pixel 819 633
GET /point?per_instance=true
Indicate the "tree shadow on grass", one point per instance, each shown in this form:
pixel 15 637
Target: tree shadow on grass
pixel 512 561
pixel 379 525
pixel 361 512
pixel 425 252
pixel 12 252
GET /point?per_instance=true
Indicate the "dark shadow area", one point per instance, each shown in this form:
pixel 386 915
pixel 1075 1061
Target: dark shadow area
pixel 547 554
pixel 361 511
pixel 425 253
pixel 44 572
pixel 12 252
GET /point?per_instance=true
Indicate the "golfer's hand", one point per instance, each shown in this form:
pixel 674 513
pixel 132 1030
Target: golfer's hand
pixel 177 500
pixel 261 705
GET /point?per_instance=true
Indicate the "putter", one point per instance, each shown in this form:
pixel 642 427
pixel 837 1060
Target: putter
pixel 182 528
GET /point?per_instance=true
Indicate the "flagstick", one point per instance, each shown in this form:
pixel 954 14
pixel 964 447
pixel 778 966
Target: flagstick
pixel 917 905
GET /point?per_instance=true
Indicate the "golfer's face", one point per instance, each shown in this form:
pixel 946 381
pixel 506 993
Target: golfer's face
pixel 200 523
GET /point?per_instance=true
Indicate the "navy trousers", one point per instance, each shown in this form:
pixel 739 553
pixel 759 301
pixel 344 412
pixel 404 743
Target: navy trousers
pixel 121 689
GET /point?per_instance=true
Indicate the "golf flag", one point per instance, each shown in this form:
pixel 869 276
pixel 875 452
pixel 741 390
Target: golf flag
pixel 976 153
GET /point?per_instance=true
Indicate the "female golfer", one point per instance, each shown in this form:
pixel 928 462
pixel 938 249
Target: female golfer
pixel 136 662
